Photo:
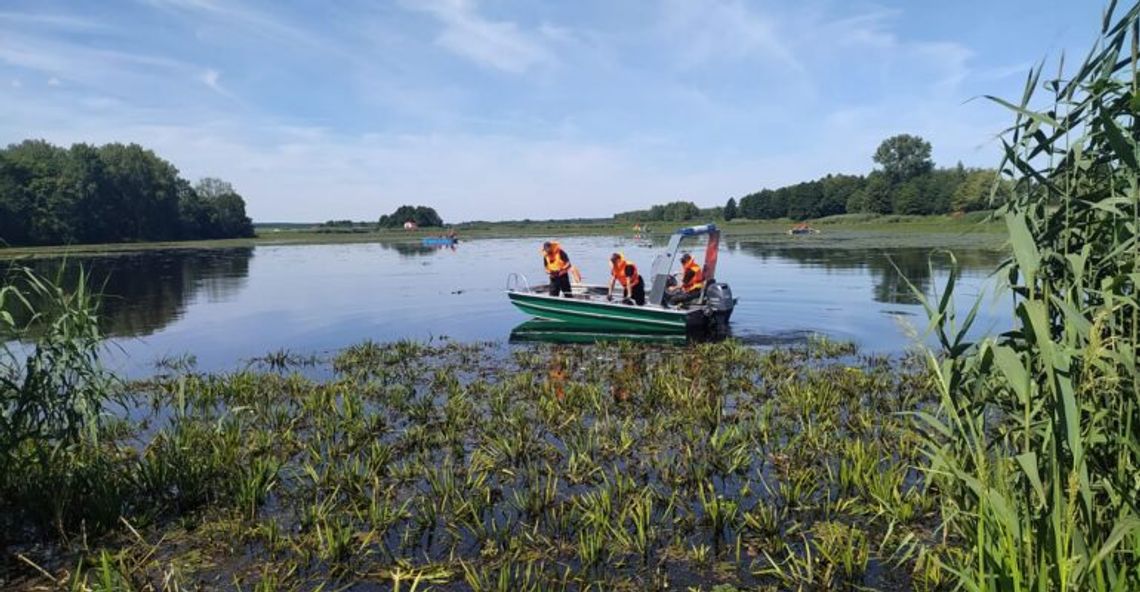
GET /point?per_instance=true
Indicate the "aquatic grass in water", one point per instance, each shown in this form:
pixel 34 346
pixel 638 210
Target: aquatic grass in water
pixel 461 466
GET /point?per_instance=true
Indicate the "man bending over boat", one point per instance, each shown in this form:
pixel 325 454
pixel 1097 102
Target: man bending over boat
pixel 557 264
pixel 623 271
pixel 692 281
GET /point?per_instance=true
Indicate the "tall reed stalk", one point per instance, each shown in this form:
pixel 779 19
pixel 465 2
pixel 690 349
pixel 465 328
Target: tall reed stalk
pixel 57 390
pixel 53 389
pixel 1036 445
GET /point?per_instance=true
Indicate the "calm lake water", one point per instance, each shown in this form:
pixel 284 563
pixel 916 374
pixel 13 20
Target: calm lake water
pixel 226 306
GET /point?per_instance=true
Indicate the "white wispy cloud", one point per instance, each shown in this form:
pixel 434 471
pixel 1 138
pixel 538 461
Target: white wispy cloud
pixel 867 29
pixel 303 173
pixel 112 72
pixel 238 14
pixel 1020 69
pixel 502 45
pixel 873 37
pixel 55 21
pixel 725 29
pixel 212 79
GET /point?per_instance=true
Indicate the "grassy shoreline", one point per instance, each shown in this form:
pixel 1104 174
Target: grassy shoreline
pixel 836 232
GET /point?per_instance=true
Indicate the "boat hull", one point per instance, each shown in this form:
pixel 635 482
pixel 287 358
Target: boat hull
pixel 607 316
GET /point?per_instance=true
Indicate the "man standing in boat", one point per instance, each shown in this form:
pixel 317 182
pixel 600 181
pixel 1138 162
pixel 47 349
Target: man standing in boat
pixel 692 282
pixel 557 264
pixel 624 272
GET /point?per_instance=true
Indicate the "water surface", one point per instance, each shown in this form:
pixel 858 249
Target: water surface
pixel 225 306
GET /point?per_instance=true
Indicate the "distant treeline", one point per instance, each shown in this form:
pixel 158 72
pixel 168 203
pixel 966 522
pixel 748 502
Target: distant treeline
pixel 282 225
pixel 905 183
pixel 51 195
pixel 531 222
pixel 343 224
pixel 677 211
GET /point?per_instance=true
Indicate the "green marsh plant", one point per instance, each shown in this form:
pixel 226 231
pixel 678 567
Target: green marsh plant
pixel 1034 447
pixel 458 464
pixel 53 396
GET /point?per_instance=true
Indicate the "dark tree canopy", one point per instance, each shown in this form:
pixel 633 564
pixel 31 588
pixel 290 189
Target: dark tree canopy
pixel 730 209
pixel 422 216
pixel 907 183
pixel 675 211
pixel 979 190
pixel 877 194
pixel 837 192
pixel 908 198
pixel 226 206
pixel 937 191
pixel 113 193
pixel 904 157
pixel 680 211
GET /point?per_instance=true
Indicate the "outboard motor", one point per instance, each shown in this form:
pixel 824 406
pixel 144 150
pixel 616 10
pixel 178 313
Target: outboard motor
pixel 718 306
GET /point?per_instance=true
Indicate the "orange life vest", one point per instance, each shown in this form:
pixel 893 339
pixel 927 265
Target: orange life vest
pixel 626 279
pixel 697 281
pixel 553 260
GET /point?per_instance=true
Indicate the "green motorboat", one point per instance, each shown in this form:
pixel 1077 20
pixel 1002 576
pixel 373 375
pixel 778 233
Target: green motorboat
pixel 590 307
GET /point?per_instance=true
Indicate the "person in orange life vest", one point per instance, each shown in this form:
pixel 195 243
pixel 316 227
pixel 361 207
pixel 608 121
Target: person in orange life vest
pixel 624 272
pixel 557 264
pixel 692 282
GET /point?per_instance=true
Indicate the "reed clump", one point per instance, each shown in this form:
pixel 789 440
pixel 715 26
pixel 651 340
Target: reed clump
pixel 1034 443
pixel 53 397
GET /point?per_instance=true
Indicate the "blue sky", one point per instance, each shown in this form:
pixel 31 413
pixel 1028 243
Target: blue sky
pixel 489 109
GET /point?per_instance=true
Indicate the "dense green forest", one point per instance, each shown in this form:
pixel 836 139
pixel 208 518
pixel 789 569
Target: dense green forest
pixel 51 195
pixel 423 216
pixel 905 182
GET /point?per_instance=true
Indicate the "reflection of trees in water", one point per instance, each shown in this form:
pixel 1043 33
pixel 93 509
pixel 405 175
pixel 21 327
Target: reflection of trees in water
pixel 888 267
pixel 892 270
pixel 410 249
pixel 144 292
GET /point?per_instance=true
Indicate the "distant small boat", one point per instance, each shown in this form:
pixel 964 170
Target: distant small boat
pixel 439 241
pixel 802 229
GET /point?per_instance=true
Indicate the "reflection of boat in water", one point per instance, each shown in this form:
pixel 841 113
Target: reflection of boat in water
pixel 412 249
pixel 559 332
pixel 588 306
pixel 439 241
